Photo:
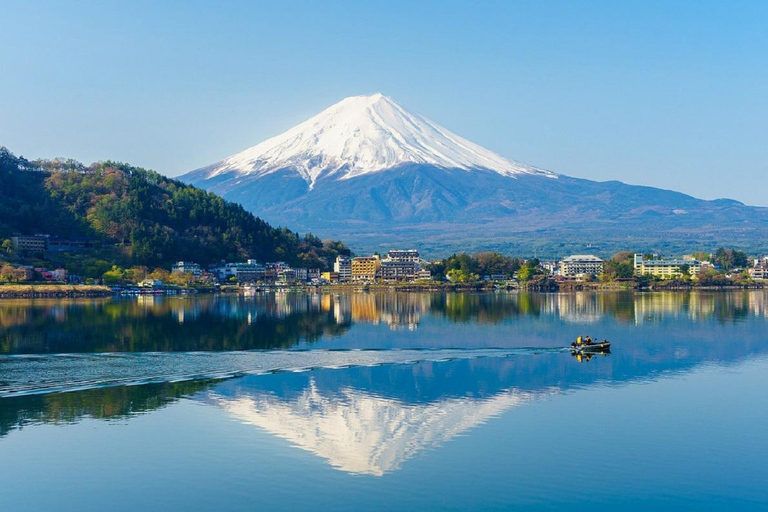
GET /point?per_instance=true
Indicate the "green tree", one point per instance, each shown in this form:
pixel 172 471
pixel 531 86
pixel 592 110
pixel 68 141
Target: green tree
pixel 115 275
pixel 730 258
pixel 702 256
pixel 459 276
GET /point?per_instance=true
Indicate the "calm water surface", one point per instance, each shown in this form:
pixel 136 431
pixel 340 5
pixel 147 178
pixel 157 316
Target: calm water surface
pixel 385 401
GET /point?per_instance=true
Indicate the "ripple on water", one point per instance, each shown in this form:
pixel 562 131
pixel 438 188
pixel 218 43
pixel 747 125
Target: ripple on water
pixel 40 374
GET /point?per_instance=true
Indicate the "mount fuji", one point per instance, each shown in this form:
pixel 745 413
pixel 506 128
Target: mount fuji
pixel 368 171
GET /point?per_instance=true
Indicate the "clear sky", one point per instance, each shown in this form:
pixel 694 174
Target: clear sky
pixel 671 94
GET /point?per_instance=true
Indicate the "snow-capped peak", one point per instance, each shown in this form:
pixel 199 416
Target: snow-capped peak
pixel 361 135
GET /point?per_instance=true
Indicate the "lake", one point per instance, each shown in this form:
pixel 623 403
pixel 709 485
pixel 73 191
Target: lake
pixel 385 401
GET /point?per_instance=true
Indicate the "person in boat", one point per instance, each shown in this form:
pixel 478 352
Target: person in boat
pixel 578 342
pixel 588 341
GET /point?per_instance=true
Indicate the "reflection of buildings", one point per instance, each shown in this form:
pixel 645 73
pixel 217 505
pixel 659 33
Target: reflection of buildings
pixel 758 304
pixel 580 307
pixel 574 307
pixel 394 309
pixel 656 306
pixel 363 433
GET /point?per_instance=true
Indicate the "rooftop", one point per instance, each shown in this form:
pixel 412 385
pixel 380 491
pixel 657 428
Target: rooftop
pixel 583 257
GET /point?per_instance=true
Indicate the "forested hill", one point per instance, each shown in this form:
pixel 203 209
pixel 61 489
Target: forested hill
pixel 140 217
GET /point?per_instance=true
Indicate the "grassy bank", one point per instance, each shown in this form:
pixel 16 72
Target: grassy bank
pixel 15 291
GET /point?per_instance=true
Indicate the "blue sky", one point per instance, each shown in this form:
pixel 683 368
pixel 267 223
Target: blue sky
pixel 669 94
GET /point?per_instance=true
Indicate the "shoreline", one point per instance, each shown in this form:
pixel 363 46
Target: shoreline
pixel 34 291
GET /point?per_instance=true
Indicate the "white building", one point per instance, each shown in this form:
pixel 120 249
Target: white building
pixel 580 265
pixel 401 265
pixel 248 272
pixel 187 267
pixel 550 267
pixel 760 270
pixel 343 267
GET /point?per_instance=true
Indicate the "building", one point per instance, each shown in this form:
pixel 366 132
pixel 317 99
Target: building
pixel 248 272
pixel 365 268
pixel 302 274
pixel 400 265
pixel 187 267
pixel 331 277
pixel 494 277
pixel 550 267
pixel 288 275
pixel 760 269
pixel 32 243
pixel 424 275
pixel 62 245
pixel 343 267
pixel 313 274
pixel 580 265
pixel 404 255
pixel 39 243
pixel 665 269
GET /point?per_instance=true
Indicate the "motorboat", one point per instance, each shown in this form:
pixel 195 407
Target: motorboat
pixel 603 346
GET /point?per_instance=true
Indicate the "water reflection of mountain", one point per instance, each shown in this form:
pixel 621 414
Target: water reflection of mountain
pixel 354 430
pixel 372 419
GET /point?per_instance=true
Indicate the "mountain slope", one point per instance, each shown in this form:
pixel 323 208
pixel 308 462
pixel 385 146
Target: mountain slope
pixel 368 171
pixel 140 217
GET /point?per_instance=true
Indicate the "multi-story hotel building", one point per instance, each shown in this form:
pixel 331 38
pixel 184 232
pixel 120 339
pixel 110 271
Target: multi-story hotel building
pixel 400 265
pixel 580 265
pixel 666 269
pixel 187 267
pixel 343 267
pixel 365 268
pixel 31 243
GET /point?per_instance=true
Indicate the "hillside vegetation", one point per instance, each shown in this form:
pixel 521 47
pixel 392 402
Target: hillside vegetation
pixel 139 217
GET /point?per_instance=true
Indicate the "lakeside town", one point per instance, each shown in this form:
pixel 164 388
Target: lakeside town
pixel 398 267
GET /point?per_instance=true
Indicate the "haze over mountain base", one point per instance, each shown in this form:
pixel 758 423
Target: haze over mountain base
pixel 445 210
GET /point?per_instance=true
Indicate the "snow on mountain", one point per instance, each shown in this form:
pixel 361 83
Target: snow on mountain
pixel 361 135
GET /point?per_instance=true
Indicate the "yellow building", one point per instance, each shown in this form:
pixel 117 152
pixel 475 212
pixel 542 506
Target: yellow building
pixel 665 269
pixel 331 277
pixel 365 268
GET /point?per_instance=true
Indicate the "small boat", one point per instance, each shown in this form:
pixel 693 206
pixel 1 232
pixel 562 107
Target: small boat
pixel 603 346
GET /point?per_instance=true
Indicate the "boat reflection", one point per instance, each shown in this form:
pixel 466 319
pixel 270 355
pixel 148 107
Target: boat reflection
pixel 585 357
